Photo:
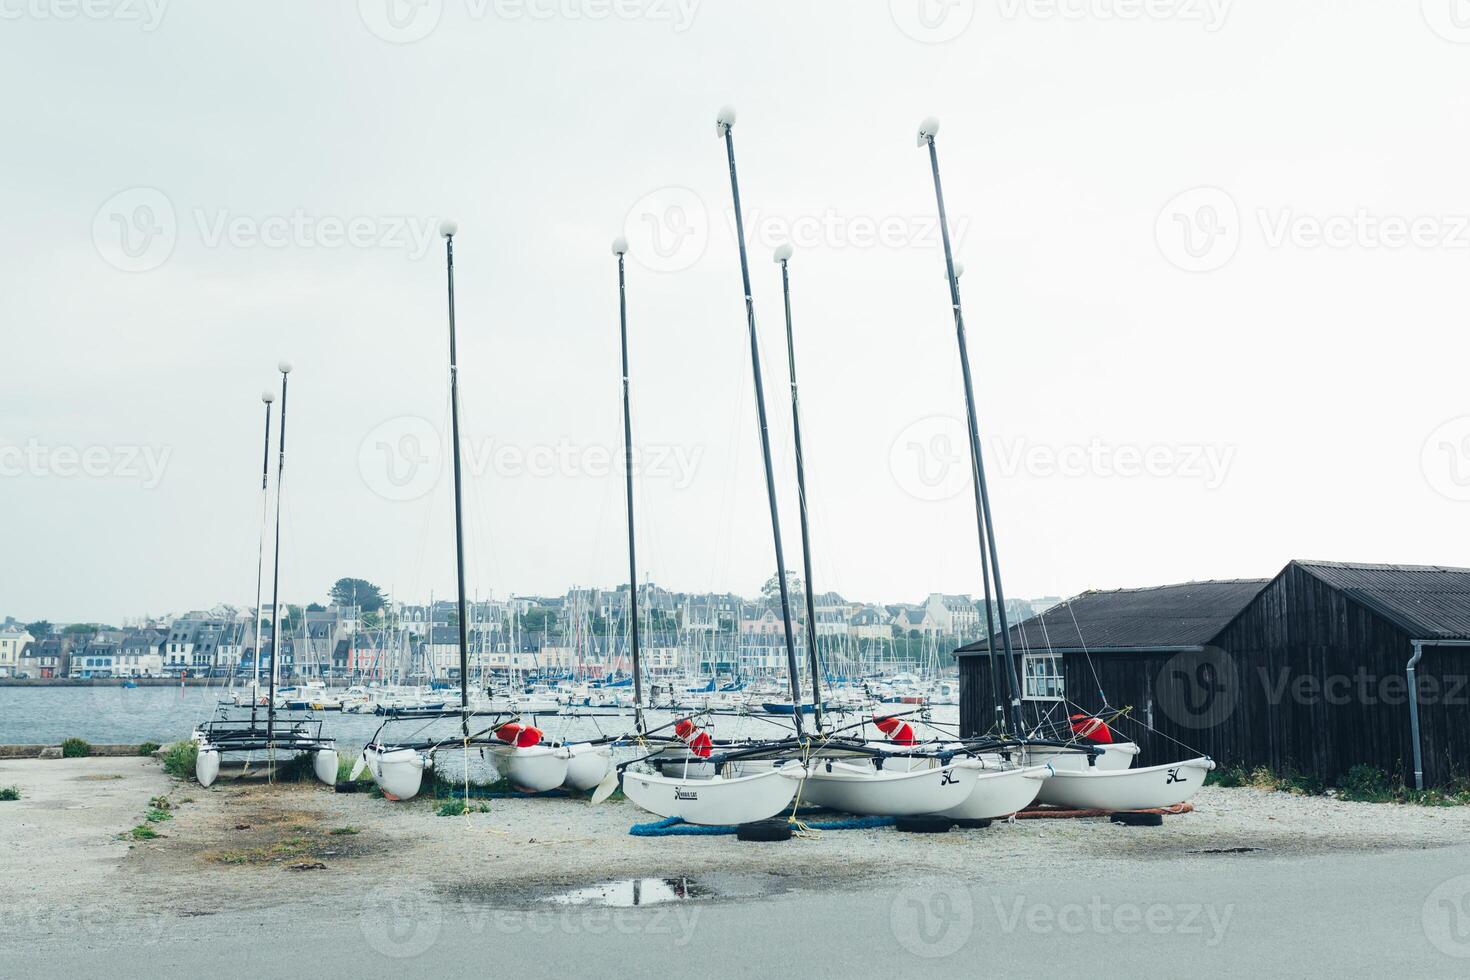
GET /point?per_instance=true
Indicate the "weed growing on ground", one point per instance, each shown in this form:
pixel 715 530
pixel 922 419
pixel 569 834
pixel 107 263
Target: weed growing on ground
pixel 180 758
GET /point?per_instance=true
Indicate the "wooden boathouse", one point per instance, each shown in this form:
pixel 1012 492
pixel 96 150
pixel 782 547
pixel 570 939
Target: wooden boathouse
pixel 1309 672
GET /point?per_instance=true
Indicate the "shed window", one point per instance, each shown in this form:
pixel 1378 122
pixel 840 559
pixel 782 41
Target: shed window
pixel 1043 681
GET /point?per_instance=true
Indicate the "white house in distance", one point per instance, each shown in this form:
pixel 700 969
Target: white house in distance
pixel 13 640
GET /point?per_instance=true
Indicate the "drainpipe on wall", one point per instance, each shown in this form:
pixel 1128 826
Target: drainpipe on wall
pixel 1414 713
pixel 1419 646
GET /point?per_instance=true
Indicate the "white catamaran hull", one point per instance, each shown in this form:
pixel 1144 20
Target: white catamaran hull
pixel 534 769
pixel 206 766
pixel 399 773
pixel 1119 755
pixel 586 766
pixel 719 801
pixel 1000 794
pixel 324 764
pixel 1130 789
pixel 861 789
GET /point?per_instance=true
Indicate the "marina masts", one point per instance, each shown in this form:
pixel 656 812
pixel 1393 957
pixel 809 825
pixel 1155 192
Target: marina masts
pixel 988 553
pixel 783 256
pixel 620 249
pixel 725 125
pixel 270 712
pixel 265 476
pixel 448 230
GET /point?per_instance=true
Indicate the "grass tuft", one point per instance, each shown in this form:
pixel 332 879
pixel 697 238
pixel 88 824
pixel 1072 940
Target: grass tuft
pixel 75 748
pixel 1362 784
pixel 9 794
pixel 148 748
pixel 143 832
pixel 179 760
pixel 343 831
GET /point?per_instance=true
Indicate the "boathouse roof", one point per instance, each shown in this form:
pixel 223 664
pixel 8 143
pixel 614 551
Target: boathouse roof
pixel 1160 618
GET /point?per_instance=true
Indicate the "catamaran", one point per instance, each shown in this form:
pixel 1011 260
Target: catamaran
pixel 227 735
pixel 520 751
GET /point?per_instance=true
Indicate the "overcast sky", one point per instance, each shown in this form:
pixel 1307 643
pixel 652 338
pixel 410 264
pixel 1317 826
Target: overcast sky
pixel 1216 260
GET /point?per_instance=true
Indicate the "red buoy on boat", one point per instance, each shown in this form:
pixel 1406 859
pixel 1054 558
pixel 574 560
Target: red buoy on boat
pixel 898 731
pixel 1092 729
pixel 521 736
pixel 699 741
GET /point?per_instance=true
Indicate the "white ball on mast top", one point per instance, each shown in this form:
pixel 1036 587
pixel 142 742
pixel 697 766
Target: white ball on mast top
pixel 284 367
pixel 725 120
pixel 267 396
pixel 783 253
pixel 620 246
pixel 928 129
pixel 448 229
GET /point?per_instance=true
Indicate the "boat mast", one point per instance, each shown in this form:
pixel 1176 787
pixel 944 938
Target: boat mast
pixel 927 131
pixel 996 681
pixel 448 230
pixel 270 714
pixel 265 475
pixel 620 249
pixel 725 125
pixel 783 256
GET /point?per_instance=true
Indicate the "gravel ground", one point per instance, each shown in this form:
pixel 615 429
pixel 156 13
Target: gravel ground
pixel 239 844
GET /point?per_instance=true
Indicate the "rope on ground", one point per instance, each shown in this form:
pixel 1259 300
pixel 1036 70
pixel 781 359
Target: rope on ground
pixel 676 827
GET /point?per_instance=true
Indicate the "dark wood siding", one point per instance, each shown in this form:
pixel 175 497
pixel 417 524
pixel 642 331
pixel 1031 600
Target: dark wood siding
pixel 1305 679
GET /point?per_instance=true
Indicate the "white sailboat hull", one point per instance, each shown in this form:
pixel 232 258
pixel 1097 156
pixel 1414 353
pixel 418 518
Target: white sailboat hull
pixel 399 773
pixel 1129 789
pixel 324 765
pixel 1119 755
pixel 1000 794
pixel 206 766
pixel 535 769
pixel 586 766
pixel 718 801
pixel 873 792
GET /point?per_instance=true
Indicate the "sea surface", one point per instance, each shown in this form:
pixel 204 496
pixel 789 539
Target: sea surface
pixel 106 713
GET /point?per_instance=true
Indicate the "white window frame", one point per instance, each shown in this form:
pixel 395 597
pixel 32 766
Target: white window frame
pixel 1034 680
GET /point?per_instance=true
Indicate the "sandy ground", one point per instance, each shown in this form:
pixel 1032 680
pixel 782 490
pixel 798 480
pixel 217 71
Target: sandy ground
pixel 241 845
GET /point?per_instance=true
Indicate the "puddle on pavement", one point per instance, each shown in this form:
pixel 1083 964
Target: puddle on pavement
pixel 637 892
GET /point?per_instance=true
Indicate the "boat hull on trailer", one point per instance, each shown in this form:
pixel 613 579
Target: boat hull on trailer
pixel 586 766
pixel 536 768
pixel 1129 789
pixel 865 790
pixel 399 773
pixel 1001 793
pixel 719 801
pixel 206 765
